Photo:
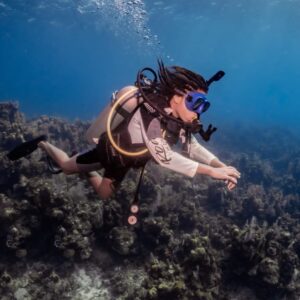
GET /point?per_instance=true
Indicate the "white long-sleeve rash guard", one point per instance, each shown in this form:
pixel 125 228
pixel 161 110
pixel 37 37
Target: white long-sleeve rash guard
pixel 160 149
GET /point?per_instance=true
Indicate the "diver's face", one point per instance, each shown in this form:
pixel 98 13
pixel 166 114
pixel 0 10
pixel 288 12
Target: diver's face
pixel 184 114
pixel 180 110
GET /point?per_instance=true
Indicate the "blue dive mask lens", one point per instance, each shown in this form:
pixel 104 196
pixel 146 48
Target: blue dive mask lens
pixel 196 102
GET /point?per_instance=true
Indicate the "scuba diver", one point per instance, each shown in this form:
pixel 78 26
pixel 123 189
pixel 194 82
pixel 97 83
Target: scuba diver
pixel 143 122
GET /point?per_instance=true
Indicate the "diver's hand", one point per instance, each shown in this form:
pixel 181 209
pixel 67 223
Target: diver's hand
pixel 228 173
pixel 230 185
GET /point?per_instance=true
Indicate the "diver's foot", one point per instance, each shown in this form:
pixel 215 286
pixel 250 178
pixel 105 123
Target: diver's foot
pixel 53 167
pixel 25 148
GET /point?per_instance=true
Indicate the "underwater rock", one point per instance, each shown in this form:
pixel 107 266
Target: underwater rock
pixel 268 270
pixel 123 240
pixel 156 231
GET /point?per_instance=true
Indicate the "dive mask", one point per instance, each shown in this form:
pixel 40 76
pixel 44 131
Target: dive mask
pixel 197 102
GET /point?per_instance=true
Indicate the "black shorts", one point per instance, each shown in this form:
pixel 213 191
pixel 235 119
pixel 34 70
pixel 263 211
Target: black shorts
pixel 98 160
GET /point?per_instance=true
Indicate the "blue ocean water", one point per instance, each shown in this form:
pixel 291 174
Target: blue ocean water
pixel 64 57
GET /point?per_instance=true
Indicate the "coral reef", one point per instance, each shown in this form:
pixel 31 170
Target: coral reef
pixel 193 239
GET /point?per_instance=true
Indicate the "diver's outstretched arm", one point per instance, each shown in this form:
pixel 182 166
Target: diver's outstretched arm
pixel 216 163
pixel 227 173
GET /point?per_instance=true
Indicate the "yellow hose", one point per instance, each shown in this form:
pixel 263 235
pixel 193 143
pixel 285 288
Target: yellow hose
pixel 108 128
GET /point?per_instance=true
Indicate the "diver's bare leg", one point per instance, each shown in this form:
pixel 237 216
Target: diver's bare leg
pixel 66 163
pixel 103 186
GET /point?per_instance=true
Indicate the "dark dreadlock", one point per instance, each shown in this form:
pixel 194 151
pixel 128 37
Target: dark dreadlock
pixel 174 79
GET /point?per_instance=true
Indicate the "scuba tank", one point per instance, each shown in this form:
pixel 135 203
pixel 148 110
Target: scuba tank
pixel 118 112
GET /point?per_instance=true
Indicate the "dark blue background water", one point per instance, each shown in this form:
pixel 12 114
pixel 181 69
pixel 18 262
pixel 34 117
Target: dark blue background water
pixel 65 58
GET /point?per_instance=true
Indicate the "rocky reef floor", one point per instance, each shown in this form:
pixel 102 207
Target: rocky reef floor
pixel 193 240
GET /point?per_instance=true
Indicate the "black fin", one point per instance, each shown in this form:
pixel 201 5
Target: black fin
pixel 25 148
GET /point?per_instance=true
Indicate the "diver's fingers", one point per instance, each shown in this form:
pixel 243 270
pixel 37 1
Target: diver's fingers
pixel 234 169
pixel 232 179
pixel 233 173
pixel 236 173
pixel 230 186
